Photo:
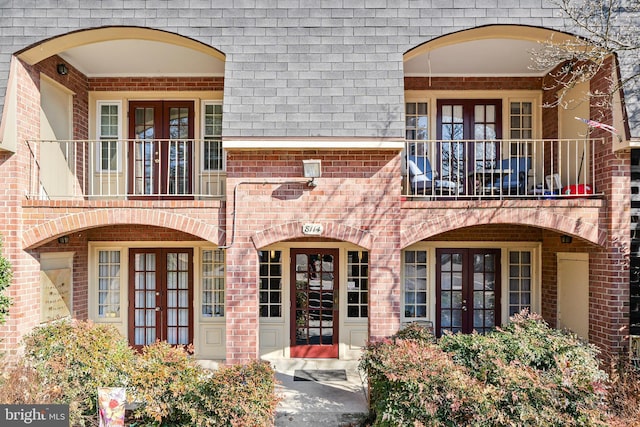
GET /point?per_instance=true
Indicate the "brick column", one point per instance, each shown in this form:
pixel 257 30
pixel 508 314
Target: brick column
pixel 609 267
pixel 24 314
pixel 384 290
pixel 242 310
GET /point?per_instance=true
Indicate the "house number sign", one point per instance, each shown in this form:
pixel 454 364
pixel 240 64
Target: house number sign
pixel 312 228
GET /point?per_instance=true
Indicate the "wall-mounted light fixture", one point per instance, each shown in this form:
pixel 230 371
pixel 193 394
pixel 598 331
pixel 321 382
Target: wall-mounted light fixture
pixel 312 169
pixel 566 239
pixel 62 69
pixel 63 240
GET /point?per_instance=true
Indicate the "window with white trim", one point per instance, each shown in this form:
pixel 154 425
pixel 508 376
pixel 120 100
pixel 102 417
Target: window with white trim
pixel 108 148
pixel 521 128
pixel 212 283
pixel 520 281
pixel 414 286
pixel 357 284
pixel 417 121
pixel 270 283
pixel 109 284
pixel 212 157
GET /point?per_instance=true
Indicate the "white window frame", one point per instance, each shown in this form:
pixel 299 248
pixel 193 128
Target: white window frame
pixel 213 290
pixel 351 283
pixel 505 247
pixel 205 136
pixel 99 136
pixel 94 275
pixel 269 303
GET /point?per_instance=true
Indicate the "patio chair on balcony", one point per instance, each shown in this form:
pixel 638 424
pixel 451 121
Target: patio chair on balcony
pixel 513 174
pixel 422 178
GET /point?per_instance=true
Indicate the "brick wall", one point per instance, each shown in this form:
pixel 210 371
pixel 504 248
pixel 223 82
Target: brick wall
pixel 472 83
pixel 356 196
pixel 609 267
pixel 115 84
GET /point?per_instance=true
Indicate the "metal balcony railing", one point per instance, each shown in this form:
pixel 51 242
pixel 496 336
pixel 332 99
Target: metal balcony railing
pixel 479 169
pixel 126 169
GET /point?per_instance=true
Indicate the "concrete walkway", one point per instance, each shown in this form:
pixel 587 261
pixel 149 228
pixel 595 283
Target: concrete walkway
pixel 329 399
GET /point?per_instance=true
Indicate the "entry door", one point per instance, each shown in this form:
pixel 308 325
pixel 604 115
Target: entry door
pixel 459 120
pixel 573 293
pixel 467 290
pixel 160 296
pixel 314 303
pixel 160 148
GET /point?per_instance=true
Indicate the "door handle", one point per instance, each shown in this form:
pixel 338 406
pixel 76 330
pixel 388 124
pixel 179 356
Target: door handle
pixel 158 309
pixel 464 305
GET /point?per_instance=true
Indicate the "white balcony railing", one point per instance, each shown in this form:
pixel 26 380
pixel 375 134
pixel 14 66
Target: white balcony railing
pixel 499 169
pixel 126 169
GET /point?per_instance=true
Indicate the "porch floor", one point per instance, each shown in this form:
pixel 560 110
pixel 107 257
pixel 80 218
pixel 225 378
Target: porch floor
pixel 329 400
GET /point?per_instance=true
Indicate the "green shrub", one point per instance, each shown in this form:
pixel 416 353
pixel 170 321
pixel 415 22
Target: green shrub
pixel 5 281
pixel 238 395
pixel 78 357
pixel 416 332
pixel 416 383
pixel 524 374
pixel 70 360
pixel 164 384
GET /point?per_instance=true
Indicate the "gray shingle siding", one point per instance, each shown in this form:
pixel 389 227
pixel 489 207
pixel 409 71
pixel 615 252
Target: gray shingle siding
pixel 296 68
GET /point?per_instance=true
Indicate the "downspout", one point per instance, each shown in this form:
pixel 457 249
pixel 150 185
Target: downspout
pixel 310 183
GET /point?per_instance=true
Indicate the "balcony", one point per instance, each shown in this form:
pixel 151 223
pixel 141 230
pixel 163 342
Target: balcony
pixel 499 169
pixel 146 169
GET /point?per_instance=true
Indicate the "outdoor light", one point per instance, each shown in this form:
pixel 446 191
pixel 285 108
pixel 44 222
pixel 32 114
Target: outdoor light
pixel 565 239
pixel 62 69
pixel 63 240
pixel 313 170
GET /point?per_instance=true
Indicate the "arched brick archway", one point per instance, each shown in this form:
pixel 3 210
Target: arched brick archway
pixel 537 218
pixel 52 229
pixel 293 230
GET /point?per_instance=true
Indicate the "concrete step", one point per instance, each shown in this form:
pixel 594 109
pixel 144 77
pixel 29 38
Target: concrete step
pixel 318 419
pixel 336 396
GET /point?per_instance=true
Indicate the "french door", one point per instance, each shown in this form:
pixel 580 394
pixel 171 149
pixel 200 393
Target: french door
pixel 160 149
pixel 314 303
pixel 160 296
pixel 461 120
pixel 467 290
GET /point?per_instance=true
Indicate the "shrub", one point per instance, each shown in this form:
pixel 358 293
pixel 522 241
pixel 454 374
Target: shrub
pixel 416 383
pixel 238 395
pixel 70 360
pixel 78 357
pixel 624 392
pixel 163 385
pixel 22 384
pixel 5 281
pixel 524 374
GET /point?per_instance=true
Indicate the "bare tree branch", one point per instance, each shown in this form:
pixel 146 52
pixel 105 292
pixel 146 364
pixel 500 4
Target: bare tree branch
pixel 603 28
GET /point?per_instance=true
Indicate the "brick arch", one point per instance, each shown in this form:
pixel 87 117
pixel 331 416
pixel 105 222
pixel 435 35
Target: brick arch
pixel 293 230
pixel 47 231
pixel 536 218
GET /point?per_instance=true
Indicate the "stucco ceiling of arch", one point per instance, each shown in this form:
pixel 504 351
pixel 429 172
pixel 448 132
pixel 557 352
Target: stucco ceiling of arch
pixel 484 57
pixel 131 58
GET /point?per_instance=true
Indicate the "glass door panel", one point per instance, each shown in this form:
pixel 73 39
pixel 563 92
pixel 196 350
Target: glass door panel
pixel 467 290
pixel 161 298
pixel 160 148
pixel 314 309
pixel 466 121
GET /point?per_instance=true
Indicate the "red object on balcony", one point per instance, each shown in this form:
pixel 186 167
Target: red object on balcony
pixel 577 190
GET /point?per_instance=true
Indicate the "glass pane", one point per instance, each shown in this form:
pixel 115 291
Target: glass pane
pixel 491 113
